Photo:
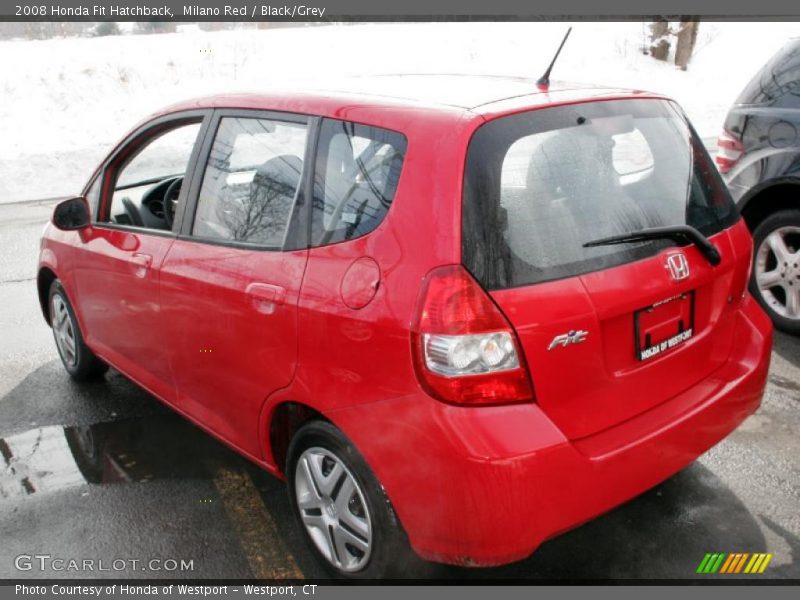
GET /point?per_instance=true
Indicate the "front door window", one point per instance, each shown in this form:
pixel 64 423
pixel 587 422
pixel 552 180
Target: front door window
pixel 147 185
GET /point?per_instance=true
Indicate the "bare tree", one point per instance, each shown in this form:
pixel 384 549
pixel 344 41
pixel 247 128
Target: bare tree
pixel 261 214
pixel 155 27
pixel 105 28
pixel 212 25
pixel 687 37
pixel 9 31
pixel 659 39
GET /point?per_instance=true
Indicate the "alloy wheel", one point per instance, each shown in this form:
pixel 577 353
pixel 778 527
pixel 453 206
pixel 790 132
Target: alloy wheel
pixel 777 271
pixel 333 509
pixel 64 331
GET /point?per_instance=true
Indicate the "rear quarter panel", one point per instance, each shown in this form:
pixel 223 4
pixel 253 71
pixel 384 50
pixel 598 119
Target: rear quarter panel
pixel 771 138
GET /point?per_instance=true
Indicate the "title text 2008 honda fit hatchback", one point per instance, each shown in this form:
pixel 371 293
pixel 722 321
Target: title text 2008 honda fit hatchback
pixel 459 324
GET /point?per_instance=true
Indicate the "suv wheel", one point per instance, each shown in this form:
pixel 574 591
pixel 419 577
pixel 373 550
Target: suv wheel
pixel 776 268
pixel 79 361
pixel 347 519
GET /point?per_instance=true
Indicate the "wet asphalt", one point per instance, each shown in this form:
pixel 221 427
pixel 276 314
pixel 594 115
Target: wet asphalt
pixel 104 471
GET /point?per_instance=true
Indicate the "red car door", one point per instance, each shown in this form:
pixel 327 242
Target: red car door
pixel 230 282
pixel 119 256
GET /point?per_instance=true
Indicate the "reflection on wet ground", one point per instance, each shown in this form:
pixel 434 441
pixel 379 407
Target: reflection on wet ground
pixel 37 460
pixel 165 458
pixel 51 458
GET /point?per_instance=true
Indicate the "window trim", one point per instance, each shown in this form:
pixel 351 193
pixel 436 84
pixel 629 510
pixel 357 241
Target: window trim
pixel 94 207
pixel 135 140
pixel 297 235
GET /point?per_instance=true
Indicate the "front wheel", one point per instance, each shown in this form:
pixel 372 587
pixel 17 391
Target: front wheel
pixel 79 361
pixel 776 268
pixel 347 519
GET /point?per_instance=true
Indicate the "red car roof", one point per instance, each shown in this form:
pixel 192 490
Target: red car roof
pixel 484 95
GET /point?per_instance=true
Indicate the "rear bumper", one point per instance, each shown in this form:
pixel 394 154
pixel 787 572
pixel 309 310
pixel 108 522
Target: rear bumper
pixel 487 486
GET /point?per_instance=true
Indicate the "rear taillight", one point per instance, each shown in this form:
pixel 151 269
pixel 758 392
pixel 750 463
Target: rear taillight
pixel 465 350
pixel 729 151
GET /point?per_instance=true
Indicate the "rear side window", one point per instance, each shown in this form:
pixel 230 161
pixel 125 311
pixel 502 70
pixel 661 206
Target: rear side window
pixel 540 184
pixel 778 82
pixel 355 180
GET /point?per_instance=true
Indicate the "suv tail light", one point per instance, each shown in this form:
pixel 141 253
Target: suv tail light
pixel 729 151
pixel 465 351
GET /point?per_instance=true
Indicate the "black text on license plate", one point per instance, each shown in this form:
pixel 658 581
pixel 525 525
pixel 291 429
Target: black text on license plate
pixel 665 345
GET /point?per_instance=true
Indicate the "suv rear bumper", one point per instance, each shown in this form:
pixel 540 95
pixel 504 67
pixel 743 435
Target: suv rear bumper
pixel 486 486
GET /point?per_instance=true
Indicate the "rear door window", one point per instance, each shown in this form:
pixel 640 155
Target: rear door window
pixel 540 184
pixel 251 182
pixel 356 176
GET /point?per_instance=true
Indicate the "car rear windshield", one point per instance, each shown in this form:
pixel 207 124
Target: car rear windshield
pixel 540 184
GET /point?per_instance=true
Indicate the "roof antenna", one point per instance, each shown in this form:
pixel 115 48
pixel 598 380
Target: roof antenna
pixel 544 81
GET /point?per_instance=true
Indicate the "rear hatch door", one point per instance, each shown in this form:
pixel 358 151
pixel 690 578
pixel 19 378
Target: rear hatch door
pixel 608 332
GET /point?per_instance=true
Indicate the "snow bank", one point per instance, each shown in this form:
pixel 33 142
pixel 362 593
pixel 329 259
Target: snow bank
pixel 64 102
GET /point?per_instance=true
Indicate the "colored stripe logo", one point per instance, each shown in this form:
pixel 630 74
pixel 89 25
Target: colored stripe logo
pixel 734 563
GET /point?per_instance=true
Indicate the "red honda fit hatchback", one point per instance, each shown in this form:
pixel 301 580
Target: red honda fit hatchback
pixel 460 322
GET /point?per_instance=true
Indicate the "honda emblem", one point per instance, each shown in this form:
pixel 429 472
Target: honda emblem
pixel 678 266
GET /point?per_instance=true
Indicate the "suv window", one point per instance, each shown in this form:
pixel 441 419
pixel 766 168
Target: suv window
pixel 251 181
pixel 142 181
pixel 778 82
pixel 540 184
pixel 356 175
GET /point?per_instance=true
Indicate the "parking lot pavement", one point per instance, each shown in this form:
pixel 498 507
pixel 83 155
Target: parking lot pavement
pixel 104 471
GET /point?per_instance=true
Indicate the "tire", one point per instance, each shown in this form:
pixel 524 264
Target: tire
pixel 79 361
pixel 383 550
pixel 784 272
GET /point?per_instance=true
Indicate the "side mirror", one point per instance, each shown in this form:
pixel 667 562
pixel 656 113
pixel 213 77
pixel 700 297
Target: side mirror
pixel 71 214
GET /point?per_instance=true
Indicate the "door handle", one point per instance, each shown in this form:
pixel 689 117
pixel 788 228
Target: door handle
pixel 141 264
pixel 265 297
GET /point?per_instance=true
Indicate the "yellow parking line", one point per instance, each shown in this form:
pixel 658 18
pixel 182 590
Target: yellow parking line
pixel 267 555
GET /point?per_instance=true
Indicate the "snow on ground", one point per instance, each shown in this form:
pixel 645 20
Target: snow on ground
pixel 64 102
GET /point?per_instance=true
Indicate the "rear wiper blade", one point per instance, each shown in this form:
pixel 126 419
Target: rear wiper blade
pixel 677 233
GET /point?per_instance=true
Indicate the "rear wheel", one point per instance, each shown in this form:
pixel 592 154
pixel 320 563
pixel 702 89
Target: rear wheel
pixel 347 519
pixel 79 361
pixel 776 268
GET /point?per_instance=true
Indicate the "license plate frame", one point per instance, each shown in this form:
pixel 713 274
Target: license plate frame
pixel 645 352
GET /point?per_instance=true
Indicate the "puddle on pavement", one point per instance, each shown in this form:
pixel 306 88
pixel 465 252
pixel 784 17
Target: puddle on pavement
pixel 55 457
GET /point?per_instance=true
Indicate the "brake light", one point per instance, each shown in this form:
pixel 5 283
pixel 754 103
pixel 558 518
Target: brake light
pixel 465 351
pixel 729 151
